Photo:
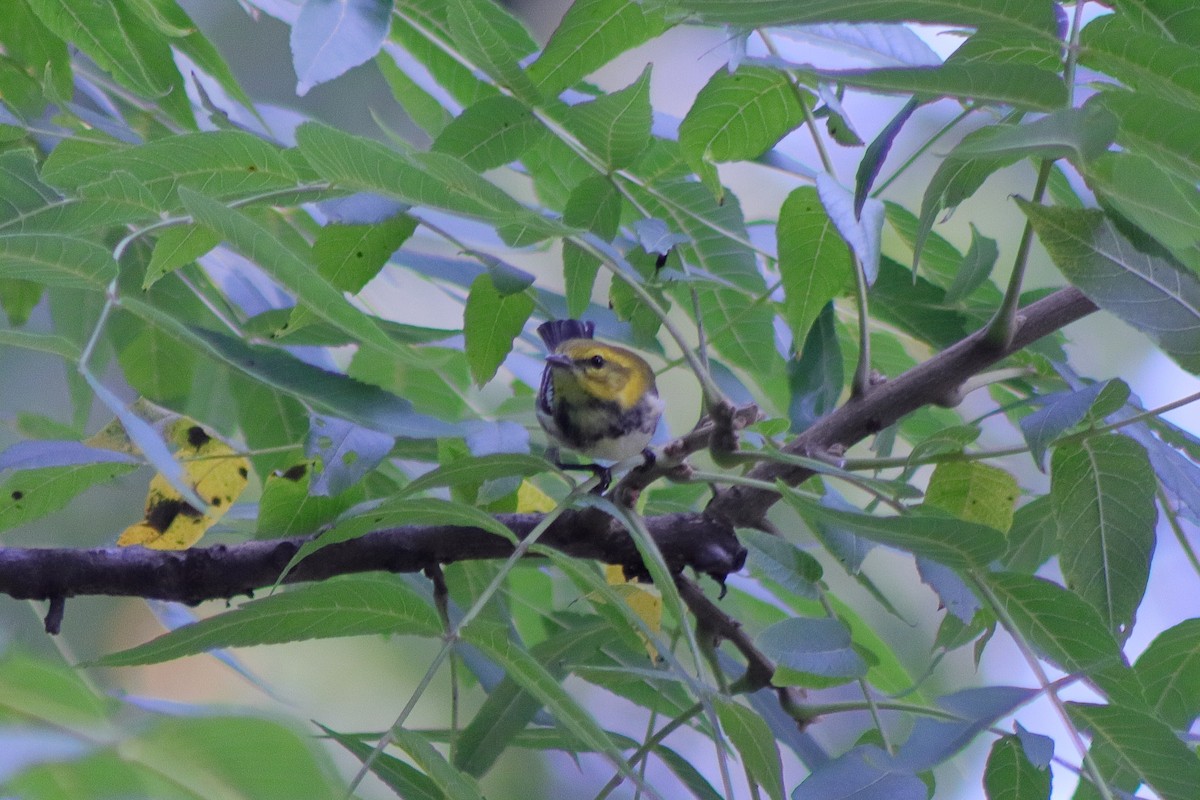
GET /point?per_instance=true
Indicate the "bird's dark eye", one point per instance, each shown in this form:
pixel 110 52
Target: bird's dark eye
pixel 597 361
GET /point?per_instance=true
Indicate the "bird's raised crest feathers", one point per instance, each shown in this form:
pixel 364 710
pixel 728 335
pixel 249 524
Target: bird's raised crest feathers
pixel 557 331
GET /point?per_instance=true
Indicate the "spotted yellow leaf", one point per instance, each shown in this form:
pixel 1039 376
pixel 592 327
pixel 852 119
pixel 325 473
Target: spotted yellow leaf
pixel 532 500
pixel 643 599
pixel 216 473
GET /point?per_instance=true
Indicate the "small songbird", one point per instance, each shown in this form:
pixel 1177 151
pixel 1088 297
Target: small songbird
pixel 596 399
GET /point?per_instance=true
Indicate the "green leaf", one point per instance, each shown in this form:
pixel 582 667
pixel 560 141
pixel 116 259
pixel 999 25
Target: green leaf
pixel 1078 134
pixel 518 664
pixel 740 329
pixel 30 494
pixel 348 256
pixel 509 708
pixel 351 606
pixel 615 127
pixel 783 562
pixel 256 242
pixel 331 392
pixel 1061 412
pixel 453 784
pixel 399 776
pixel 1033 537
pixel 435 180
pixel 1060 626
pixel 1035 19
pixel 816 653
pixel 580 269
pixel 491 321
pixel 29 42
pixel 594 205
pixel 739 115
pixel 1147 63
pixel 592 33
pixel 1103 493
pixel 56 260
pixel 816 376
pixel 476 470
pixel 493 132
pixel 1160 202
pixel 225 165
pixel 814 261
pixel 976 267
pixel 1009 775
pixel 1169 671
pixel 123 45
pixel 975 492
pixel 210 751
pixel 955 543
pixel 1144 745
pixel 288 507
pixel 494 40
pixel 1149 292
pixel 422 107
pixel 1015 84
pixel 755 744
pixel 178 247
pixel 1157 128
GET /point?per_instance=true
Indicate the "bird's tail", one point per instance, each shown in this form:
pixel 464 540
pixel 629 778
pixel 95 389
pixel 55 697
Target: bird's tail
pixel 557 331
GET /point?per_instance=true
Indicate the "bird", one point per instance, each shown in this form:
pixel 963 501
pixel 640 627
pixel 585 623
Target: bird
pixel 596 399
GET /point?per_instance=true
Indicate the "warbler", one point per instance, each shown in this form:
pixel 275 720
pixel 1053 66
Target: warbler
pixel 596 399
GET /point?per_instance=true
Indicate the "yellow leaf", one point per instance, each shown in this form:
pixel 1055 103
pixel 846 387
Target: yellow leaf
pixel 212 468
pixel 532 500
pixel 643 599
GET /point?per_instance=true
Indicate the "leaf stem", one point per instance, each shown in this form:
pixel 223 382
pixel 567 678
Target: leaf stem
pixel 1003 326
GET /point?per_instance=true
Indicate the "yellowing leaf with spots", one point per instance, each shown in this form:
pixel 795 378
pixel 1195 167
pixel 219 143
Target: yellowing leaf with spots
pixel 643 599
pixel 532 500
pixel 216 473
pixel 974 492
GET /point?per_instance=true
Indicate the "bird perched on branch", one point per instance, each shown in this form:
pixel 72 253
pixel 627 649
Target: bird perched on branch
pixel 596 399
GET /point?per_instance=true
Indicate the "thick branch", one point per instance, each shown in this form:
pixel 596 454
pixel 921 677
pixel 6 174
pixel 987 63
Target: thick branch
pixel 936 381
pixel 704 540
pixel 223 571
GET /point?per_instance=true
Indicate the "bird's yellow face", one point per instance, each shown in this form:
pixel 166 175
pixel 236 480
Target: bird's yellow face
pixel 586 369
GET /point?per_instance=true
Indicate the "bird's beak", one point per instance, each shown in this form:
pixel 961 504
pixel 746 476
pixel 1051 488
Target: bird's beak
pixel 558 360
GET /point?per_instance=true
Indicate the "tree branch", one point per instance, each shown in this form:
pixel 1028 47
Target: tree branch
pixel 704 541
